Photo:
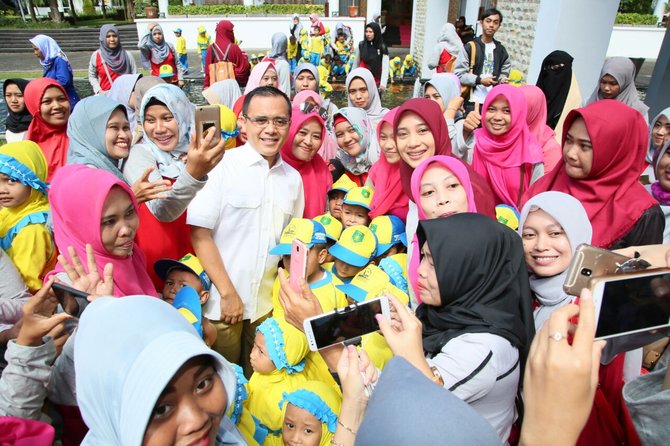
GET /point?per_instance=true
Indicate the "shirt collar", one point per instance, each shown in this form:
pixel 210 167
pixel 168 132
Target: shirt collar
pixel 250 156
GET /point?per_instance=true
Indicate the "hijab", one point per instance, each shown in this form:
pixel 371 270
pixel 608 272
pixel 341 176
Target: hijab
pixel 295 28
pixel 362 162
pixel 652 153
pixel 372 53
pixel 52 140
pixel 159 51
pixel 322 401
pixel 555 84
pixel 389 197
pixel 257 74
pixel 125 354
pixel 171 164
pixel 536 120
pixel 438 416
pixel 316 177
pixel 24 161
pixel 116 59
pixel 374 107
pixel 86 131
pixel 76 227
pixel 450 40
pixel 224 92
pixel 447 85
pixel 17 122
pixel 122 88
pixel 623 70
pixel 279 44
pixel 482 280
pixel 660 194
pixel 570 214
pixel 430 113
pixel 611 193
pixel 143 85
pixel 501 158
pixel 49 49
pixel 329 148
pixel 307 67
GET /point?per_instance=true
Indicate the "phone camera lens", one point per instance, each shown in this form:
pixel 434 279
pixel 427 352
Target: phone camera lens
pixel 586 272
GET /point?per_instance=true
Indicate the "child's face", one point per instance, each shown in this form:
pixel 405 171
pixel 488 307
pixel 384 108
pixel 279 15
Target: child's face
pixel 353 215
pixel 259 358
pixel 345 270
pixel 118 223
pixel 315 258
pixel 178 279
pixel 12 192
pixel 191 410
pixel 335 198
pixel 300 427
pixel 342 38
pixel 393 250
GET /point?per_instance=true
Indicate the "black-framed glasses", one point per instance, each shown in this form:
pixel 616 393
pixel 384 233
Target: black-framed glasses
pixel 308 107
pixel 264 121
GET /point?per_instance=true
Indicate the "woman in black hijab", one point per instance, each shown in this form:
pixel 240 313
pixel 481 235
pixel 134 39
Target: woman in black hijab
pixel 373 54
pixel 560 87
pixel 476 315
pixel 18 117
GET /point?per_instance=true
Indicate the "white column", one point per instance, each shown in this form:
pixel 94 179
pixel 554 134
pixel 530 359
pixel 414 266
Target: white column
pixel 472 12
pixel 436 17
pixel 163 7
pixel 659 10
pixel 582 28
pixel 374 7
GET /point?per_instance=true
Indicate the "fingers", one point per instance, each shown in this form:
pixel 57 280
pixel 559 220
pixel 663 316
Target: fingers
pixel 146 173
pixel 39 297
pixel 477 106
pixel 207 138
pixel 343 363
pixel 76 263
pixel 90 258
pixel 69 270
pixel 586 329
pixel 384 326
pixel 559 322
pixel 53 325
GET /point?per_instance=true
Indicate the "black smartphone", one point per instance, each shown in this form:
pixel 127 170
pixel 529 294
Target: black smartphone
pixel 66 296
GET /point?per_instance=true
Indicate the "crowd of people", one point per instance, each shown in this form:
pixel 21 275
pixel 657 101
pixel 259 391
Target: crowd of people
pixel 463 206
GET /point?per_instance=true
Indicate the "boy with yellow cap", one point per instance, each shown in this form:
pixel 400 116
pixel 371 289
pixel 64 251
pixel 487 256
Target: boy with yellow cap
pixel 353 252
pixel 395 65
pixel 356 206
pixel 391 236
pixel 336 195
pixel 408 67
pixel 333 228
pixel 180 48
pixel 204 41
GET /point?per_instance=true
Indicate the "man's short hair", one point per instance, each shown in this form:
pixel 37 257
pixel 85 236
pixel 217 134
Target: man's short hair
pixel 492 11
pixel 265 91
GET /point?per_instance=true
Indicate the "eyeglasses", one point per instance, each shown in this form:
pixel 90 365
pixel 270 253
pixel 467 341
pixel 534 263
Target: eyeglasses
pixel 263 121
pixel 308 107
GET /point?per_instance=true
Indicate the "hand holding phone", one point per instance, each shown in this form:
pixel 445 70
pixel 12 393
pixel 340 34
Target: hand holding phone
pixel 38 318
pixel 66 296
pixel 207 117
pixel 589 262
pixel 298 265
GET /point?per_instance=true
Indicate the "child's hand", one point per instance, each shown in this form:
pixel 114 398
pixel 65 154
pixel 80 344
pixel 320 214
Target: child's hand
pixel 297 307
pixel 203 158
pixel 146 190
pixel 403 333
pixel 91 283
pixel 38 318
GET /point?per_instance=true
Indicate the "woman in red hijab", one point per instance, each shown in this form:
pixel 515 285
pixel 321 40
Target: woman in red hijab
pixel 305 137
pixel 47 101
pixel 224 38
pixel 604 148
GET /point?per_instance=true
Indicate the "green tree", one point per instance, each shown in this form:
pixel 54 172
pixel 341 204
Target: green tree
pixel 638 6
pixel 88 8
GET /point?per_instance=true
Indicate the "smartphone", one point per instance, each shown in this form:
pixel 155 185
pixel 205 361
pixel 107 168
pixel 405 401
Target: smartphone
pixel 66 297
pixel 632 303
pixel 345 324
pixel 589 262
pixel 206 117
pixel 298 267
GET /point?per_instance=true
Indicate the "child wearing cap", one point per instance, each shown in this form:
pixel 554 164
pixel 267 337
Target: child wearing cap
pixel 166 72
pixel 253 61
pixel 187 271
pixel 292 52
pixel 396 268
pixel 204 41
pixel 333 228
pixel 336 195
pixel 368 284
pixel 180 48
pixel 353 252
pixel 356 206
pixel 278 360
pixel 391 236
pixel 310 414
pixel 320 281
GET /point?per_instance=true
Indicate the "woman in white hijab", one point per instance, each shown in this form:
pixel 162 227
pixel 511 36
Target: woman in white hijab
pixel 145 376
pixel 450 42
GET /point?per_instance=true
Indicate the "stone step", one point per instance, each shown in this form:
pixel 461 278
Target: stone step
pixel 69 39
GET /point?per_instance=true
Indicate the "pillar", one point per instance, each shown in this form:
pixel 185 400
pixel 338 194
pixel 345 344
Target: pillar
pixel 374 7
pixel 658 93
pixel 428 17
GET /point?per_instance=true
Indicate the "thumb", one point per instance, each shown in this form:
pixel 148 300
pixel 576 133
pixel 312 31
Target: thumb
pixel 596 354
pixel 54 321
pixel 384 325
pixel 146 173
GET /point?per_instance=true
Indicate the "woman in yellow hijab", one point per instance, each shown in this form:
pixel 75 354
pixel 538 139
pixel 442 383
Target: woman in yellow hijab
pixel 24 211
pixel 310 412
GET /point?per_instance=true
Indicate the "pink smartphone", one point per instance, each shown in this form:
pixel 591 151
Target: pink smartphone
pixel 298 267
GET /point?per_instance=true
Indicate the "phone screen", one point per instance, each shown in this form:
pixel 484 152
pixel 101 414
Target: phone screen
pixel 207 125
pixel 347 323
pixel 67 298
pixel 635 304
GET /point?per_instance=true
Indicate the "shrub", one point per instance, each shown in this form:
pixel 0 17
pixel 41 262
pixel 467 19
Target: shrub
pixel 89 10
pixel 241 9
pixel 635 19
pixel 635 6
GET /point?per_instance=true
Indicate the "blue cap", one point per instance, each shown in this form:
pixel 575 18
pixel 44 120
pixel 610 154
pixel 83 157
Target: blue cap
pixel 356 246
pixel 187 302
pixel 308 231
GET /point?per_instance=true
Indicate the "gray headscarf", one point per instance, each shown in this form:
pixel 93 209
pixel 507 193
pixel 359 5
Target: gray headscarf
pixel 374 109
pixel 570 214
pixel 224 92
pixel 121 90
pixel 650 153
pixel 447 85
pixel 159 51
pixel 86 132
pixel 309 67
pixel 449 39
pixel 116 59
pixel 623 70
pixel 279 44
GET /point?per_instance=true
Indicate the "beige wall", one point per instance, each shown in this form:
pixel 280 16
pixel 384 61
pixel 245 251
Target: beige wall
pixel 517 32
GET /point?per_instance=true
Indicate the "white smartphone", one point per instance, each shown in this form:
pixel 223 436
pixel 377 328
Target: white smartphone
pixel 345 324
pixel 632 303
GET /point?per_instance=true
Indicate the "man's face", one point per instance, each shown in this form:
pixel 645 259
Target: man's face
pixel 266 125
pixel 490 25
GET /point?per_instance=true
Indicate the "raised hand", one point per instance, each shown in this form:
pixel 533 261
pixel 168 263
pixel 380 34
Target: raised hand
pixel 90 282
pixel 146 190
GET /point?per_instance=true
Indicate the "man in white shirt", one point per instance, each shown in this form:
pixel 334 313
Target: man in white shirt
pixel 238 217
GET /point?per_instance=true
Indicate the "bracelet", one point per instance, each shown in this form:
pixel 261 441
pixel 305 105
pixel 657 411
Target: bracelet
pixel 353 432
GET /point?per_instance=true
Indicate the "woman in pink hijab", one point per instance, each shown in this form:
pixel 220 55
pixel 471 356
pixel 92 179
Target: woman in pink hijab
pixel 537 123
pixel 92 206
pixel 506 153
pixel 328 149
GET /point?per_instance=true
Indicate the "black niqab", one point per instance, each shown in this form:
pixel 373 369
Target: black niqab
pixel 555 84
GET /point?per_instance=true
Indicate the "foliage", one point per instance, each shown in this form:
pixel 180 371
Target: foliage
pixel 10 22
pixel 241 9
pixel 635 19
pixel 88 9
pixel 635 6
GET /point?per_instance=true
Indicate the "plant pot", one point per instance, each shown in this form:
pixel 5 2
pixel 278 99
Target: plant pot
pixel 353 11
pixel 151 12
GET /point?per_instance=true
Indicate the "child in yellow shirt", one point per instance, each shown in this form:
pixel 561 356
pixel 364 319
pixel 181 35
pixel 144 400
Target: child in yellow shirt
pixel 316 46
pixel 204 41
pixel 180 48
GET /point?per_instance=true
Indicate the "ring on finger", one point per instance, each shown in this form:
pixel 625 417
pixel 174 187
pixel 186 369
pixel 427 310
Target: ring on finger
pixel 557 336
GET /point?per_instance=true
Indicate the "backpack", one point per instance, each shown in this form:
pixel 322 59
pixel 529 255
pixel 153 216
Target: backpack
pixel 221 68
